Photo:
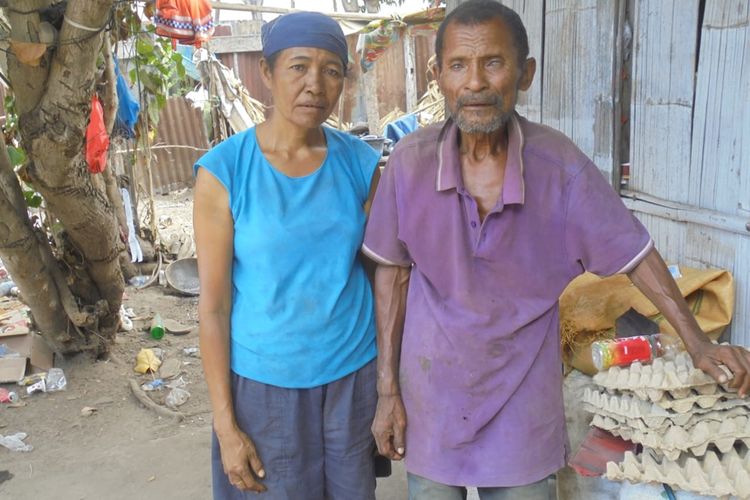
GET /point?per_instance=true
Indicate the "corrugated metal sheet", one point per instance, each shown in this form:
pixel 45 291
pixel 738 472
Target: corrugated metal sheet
pixel 180 140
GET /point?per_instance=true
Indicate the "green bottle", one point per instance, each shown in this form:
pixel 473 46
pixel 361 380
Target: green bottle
pixel 157 327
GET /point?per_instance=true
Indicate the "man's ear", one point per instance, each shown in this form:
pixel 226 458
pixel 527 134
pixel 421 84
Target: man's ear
pixel 527 74
pixel 266 73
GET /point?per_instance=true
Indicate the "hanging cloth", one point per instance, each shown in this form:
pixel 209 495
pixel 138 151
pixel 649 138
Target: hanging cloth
pixel 189 21
pixel 97 140
pixel 127 107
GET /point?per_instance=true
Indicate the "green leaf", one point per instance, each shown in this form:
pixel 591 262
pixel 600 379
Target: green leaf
pixel 144 48
pixel 17 156
pixel 33 199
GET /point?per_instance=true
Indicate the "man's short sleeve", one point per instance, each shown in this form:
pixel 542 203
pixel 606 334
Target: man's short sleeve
pixel 381 236
pixel 601 234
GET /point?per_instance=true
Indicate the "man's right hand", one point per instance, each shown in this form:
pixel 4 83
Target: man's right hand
pixel 389 427
pixel 240 460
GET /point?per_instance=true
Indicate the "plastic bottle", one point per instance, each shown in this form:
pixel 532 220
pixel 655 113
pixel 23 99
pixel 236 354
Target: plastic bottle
pixel 157 327
pixel 626 350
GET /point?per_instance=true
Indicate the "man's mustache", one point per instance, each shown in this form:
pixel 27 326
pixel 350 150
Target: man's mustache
pixel 485 99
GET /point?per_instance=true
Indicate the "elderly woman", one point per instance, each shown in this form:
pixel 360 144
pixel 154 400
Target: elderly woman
pixel 287 332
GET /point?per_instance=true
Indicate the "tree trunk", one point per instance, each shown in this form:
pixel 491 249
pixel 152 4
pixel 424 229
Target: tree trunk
pixel 53 103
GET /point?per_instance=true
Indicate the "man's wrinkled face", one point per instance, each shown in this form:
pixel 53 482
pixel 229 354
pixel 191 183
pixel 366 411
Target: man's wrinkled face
pixel 481 75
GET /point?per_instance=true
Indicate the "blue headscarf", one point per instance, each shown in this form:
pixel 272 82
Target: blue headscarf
pixel 304 29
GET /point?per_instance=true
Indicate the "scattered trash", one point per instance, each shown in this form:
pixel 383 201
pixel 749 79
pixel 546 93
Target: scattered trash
pixel 126 324
pixel 175 327
pixel 162 278
pixel 147 361
pixel 177 397
pixel 177 384
pixel 7 396
pixel 56 380
pixel 87 411
pixel 158 352
pixel 139 280
pixel 32 379
pixel 170 368
pixel 7 288
pixel 14 442
pixel 153 385
pixel 193 352
pixel 40 386
pixel 157 327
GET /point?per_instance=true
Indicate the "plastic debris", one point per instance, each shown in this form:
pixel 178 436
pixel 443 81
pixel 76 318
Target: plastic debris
pixel 153 385
pixel 147 361
pixel 177 397
pixel 40 386
pixel 14 442
pixel 139 280
pixel 193 352
pixel 32 379
pixel 56 380
pixel 126 324
pixel 177 383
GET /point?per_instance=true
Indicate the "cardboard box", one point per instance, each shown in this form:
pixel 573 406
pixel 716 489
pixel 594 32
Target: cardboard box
pixel 34 353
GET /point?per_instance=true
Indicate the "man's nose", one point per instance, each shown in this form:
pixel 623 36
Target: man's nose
pixel 477 78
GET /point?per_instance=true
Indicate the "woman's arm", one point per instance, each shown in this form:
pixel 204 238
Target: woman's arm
pixel 214 233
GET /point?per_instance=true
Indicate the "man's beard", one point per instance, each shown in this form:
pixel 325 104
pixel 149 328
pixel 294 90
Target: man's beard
pixel 495 123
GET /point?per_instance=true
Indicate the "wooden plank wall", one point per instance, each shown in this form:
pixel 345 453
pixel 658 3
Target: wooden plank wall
pixel 690 132
pixel 532 15
pixel 579 75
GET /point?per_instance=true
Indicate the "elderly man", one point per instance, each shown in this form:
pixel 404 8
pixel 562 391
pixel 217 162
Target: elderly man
pixel 477 226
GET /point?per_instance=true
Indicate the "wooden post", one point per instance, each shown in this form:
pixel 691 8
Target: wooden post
pixel 410 72
pixel 371 101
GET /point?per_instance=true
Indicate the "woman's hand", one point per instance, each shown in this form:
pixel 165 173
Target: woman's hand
pixel 241 462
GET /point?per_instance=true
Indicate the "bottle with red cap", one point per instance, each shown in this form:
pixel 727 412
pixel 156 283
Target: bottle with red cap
pixel 627 350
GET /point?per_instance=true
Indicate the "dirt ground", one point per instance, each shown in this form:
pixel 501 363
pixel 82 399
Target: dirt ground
pixel 123 450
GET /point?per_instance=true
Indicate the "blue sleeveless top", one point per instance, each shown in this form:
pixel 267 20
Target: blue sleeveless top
pixel 302 306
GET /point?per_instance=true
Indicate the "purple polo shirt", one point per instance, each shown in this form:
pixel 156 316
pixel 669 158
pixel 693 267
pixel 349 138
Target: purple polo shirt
pixel 481 372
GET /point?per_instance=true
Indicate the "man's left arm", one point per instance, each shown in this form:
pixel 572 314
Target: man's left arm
pixel 652 277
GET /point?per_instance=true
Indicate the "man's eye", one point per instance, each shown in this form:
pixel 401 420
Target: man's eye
pixel 333 72
pixel 457 66
pixel 298 67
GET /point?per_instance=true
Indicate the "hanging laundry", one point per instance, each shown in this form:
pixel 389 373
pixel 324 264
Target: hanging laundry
pixel 376 38
pixel 97 140
pixel 127 107
pixel 189 21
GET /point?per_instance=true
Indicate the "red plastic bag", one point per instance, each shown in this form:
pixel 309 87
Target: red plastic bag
pixel 97 140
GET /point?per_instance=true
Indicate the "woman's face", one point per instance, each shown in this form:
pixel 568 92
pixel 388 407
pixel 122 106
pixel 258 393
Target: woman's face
pixel 306 84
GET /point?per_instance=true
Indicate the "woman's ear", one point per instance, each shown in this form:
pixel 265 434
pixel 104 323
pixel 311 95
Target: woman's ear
pixel 266 73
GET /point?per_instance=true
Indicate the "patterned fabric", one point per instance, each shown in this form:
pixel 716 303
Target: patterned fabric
pixel 189 21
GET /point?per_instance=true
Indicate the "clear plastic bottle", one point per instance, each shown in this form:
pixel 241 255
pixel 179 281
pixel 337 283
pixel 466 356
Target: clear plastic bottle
pixel 626 350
